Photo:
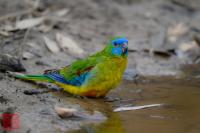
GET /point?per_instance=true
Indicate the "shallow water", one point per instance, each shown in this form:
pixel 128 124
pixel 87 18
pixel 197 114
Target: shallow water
pixel 181 96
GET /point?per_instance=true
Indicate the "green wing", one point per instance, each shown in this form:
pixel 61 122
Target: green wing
pixel 77 72
pixel 79 67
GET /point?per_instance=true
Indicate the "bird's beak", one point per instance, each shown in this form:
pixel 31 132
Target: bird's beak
pixel 125 48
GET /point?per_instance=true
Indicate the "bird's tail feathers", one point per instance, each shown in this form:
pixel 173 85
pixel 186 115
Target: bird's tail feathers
pixel 39 77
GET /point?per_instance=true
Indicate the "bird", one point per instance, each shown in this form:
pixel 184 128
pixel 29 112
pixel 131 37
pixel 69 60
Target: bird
pixel 93 76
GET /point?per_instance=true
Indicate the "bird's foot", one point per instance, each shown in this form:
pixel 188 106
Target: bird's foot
pixel 55 89
pixel 111 99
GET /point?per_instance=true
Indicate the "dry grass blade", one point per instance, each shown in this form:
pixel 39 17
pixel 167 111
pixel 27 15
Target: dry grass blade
pixel 136 107
pixel 51 45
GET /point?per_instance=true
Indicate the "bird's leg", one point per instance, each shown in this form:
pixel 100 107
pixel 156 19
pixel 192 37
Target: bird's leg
pixel 55 89
pixel 80 97
pixel 111 99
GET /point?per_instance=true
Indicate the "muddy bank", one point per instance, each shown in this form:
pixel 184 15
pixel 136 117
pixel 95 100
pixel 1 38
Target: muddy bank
pixel 163 37
pixel 161 33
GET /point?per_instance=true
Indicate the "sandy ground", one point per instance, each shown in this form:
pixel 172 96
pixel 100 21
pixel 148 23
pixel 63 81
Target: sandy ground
pixel 161 40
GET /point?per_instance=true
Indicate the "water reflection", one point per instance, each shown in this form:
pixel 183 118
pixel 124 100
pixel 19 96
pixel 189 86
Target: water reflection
pixel 181 115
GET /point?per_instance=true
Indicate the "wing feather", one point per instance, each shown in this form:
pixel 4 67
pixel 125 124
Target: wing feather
pixel 74 74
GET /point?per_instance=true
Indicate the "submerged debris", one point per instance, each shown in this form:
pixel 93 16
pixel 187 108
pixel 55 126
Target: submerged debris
pixel 65 112
pixel 69 112
pixel 176 31
pixel 136 107
pixel 10 63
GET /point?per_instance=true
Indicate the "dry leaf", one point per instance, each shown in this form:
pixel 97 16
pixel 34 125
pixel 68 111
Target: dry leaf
pixel 61 12
pixel 8 28
pixel 45 28
pixel 67 43
pixel 187 49
pixel 136 107
pixel 51 45
pixel 34 45
pixel 27 55
pixel 188 46
pixel 5 33
pixel 175 31
pixel 28 23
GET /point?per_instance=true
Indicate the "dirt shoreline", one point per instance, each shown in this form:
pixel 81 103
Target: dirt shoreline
pixel 161 35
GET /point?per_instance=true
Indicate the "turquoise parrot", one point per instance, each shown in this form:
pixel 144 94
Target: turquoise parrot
pixel 93 76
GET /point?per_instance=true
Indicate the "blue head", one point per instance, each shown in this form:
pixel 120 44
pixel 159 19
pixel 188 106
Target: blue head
pixel 119 46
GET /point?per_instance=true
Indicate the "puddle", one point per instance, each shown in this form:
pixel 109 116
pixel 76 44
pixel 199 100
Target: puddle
pixel 180 115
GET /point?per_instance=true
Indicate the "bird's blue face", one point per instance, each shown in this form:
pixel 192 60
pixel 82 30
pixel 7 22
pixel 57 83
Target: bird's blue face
pixel 120 47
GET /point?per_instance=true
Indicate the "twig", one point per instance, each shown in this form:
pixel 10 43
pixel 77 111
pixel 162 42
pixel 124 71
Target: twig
pixel 197 40
pixel 23 43
pixel 56 19
pixel 183 5
pixel 20 13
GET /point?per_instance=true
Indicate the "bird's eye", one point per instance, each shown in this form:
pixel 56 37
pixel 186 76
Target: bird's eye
pixel 115 44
